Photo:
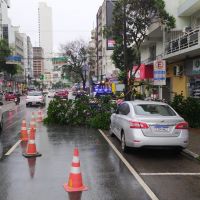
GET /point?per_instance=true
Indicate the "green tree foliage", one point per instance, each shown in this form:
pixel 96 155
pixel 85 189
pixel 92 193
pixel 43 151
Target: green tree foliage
pixel 5 51
pixel 188 108
pixel 81 112
pixel 131 20
pixel 76 53
pixel 36 83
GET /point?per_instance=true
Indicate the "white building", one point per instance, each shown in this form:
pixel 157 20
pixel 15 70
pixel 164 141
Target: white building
pixel 4 5
pixel 180 48
pixel 45 34
pixel 29 71
pixel 105 66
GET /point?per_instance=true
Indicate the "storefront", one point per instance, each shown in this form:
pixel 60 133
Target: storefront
pixel 192 71
pixel 144 80
pixel 176 82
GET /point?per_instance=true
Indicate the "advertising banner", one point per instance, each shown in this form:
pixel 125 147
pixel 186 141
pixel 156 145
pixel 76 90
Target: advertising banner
pixel 159 72
pixel 196 66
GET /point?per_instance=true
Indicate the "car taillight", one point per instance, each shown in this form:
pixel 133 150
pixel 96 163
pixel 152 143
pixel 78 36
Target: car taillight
pixel 140 125
pixel 182 125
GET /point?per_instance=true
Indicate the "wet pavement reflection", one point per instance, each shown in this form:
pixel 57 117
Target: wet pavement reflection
pixel 43 177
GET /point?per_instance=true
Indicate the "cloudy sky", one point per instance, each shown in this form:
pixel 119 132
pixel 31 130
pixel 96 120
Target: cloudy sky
pixel 72 19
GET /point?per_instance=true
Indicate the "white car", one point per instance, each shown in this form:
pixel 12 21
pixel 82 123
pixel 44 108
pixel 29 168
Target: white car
pixel 51 94
pixel 148 123
pixel 35 98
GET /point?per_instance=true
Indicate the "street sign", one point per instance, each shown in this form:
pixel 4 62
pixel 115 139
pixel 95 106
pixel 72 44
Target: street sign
pixel 13 59
pixel 159 72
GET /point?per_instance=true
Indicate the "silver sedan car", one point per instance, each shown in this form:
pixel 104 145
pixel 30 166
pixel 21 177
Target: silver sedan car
pixel 148 123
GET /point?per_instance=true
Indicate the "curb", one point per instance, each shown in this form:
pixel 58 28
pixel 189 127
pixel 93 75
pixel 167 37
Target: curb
pixel 191 154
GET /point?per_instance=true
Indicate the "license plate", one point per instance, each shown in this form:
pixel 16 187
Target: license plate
pixel 161 128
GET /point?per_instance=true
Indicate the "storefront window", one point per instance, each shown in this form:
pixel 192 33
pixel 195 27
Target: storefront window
pixel 194 86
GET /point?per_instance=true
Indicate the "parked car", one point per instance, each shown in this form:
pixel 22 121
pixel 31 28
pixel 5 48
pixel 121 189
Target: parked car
pixel 10 96
pixel 148 123
pixel 1 96
pixel 63 94
pixel 51 94
pixel 35 98
pixel 45 91
pixel 81 93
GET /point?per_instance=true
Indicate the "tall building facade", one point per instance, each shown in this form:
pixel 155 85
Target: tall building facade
pixel 38 62
pixel 105 66
pixel 29 71
pixel 46 34
pixel 4 5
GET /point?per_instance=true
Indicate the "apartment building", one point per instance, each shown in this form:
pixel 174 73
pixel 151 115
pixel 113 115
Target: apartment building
pixel 92 50
pixel 29 69
pixel 105 66
pixel 179 48
pixel 46 33
pixel 4 5
pixel 38 62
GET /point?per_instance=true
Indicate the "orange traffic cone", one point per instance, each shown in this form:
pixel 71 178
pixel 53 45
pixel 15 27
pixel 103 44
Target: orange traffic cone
pixel 31 148
pixel 24 133
pixel 75 183
pixel 39 119
pixel 33 123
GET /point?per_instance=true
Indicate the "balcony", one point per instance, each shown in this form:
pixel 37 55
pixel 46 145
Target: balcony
pixel 151 59
pixel 188 8
pixel 181 46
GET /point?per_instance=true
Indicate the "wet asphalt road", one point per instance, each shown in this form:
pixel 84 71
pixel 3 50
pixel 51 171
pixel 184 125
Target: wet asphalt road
pixel 170 175
pixel 103 172
pixel 43 178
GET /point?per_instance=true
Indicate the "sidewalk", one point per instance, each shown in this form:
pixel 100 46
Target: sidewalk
pixel 194 142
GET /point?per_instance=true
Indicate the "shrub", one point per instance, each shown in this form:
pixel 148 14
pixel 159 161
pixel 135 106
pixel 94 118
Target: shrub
pixel 188 108
pixel 81 112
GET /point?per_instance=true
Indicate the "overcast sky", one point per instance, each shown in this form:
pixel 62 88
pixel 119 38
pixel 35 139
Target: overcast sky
pixel 72 19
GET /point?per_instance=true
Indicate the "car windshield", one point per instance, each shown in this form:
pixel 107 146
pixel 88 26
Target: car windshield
pixel 154 109
pixel 34 94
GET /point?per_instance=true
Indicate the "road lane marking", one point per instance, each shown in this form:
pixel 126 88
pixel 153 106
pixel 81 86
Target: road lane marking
pixel 131 169
pixel 194 155
pixel 170 174
pixel 13 148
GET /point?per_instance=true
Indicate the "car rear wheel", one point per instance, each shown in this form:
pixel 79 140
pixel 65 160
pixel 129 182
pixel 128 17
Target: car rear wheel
pixel 123 143
pixel 178 150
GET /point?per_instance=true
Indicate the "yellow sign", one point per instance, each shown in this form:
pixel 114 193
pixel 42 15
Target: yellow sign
pixel 113 88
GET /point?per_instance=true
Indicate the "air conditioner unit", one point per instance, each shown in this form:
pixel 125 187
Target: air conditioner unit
pixel 178 70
